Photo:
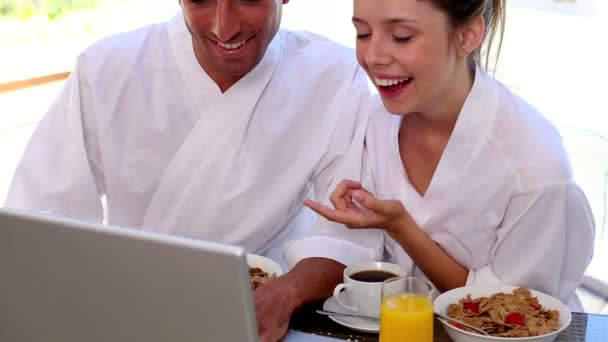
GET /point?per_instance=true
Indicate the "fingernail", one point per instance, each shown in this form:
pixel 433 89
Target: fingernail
pixel 358 194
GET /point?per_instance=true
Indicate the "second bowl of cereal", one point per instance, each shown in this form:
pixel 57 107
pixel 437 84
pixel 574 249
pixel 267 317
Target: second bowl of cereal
pixel 507 313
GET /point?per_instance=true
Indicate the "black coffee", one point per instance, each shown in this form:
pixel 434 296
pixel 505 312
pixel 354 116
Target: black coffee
pixel 372 276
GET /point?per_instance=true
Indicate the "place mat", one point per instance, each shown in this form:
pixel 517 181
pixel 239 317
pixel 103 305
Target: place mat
pixel 583 328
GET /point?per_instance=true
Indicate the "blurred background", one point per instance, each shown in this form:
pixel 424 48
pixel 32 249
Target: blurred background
pixel 554 54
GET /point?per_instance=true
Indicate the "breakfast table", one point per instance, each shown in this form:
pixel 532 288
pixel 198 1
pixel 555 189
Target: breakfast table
pixel 583 327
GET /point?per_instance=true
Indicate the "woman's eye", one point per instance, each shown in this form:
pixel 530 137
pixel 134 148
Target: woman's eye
pixel 361 36
pixel 402 39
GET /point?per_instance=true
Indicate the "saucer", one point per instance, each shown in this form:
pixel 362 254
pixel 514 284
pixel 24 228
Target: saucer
pixel 355 323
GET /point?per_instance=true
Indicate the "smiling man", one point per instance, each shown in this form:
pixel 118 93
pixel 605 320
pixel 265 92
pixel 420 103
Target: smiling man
pixel 215 125
pixel 231 37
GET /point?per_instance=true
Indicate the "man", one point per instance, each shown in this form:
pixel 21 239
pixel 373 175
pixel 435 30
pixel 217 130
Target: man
pixel 212 126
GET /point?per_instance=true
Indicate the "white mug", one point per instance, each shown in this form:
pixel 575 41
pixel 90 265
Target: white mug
pixel 361 290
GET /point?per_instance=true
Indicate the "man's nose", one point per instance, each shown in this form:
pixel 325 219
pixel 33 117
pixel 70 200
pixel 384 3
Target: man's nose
pixel 226 23
pixel 377 53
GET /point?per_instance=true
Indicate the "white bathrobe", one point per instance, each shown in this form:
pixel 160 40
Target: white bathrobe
pixel 140 123
pixel 502 201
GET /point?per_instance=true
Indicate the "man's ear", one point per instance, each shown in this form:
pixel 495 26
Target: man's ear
pixel 470 36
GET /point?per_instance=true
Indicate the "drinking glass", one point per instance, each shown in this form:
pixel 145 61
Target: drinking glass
pixel 406 312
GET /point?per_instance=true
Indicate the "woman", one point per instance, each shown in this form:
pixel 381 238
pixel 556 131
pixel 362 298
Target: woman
pixel 470 183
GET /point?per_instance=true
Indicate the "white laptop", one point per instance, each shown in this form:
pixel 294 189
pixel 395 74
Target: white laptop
pixel 69 281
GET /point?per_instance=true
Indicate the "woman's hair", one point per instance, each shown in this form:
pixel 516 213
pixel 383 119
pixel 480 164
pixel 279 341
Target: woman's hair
pixel 493 11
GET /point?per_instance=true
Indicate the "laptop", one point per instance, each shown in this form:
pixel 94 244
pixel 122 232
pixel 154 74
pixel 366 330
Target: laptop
pixel 65 280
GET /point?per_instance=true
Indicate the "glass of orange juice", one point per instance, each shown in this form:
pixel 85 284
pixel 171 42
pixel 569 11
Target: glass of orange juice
pixel 406 312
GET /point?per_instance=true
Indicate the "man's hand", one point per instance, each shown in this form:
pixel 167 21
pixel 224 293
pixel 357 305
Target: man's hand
pixel 355 207
pixel 275 302
pixel 310 280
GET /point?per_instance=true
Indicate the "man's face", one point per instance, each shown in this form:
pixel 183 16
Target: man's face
pixel 230 37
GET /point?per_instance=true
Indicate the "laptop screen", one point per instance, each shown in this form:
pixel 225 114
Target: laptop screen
pixel 67 280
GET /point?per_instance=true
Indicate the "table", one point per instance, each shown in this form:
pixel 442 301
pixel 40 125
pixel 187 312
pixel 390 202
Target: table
pixel 584 327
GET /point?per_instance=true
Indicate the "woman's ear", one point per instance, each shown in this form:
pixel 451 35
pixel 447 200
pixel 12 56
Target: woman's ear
pixel 470 36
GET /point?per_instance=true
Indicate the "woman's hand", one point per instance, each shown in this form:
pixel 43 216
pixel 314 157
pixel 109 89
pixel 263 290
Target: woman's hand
pixel 356 207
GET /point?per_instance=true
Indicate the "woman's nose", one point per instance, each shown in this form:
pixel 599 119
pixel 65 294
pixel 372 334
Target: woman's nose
pixel 377 53
pixel 226 22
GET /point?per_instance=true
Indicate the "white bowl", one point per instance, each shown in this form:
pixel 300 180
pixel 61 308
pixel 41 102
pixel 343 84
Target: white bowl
pixel 441 303
pixel 266 264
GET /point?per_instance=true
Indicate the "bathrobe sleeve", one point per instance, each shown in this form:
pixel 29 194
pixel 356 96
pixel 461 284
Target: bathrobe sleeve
pixel 328 239
pixel 59 171
pixel 545 242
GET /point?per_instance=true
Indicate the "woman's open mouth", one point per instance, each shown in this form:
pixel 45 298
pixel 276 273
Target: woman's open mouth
pixel 391 87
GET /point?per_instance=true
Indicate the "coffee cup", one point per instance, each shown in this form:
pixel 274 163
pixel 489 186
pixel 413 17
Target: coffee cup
pixel 361 290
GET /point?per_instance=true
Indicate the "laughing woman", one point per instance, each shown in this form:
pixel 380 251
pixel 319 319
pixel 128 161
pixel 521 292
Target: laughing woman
pixel 470 183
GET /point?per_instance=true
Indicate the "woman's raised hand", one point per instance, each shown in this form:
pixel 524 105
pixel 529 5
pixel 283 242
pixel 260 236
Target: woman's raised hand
pixel 356 207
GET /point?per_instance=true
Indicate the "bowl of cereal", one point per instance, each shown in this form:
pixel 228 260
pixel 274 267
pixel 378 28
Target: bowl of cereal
pixel 506 313
pixel 262 269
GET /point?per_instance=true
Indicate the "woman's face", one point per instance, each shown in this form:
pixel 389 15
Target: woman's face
pixel 405 48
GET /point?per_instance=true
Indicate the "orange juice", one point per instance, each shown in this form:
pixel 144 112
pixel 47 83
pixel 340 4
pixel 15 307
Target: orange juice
pixel 405 318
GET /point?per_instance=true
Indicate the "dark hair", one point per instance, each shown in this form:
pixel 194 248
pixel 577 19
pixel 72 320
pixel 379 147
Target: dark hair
pixel 493 12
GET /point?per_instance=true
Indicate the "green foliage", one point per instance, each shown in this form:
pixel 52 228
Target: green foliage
pixel 25 9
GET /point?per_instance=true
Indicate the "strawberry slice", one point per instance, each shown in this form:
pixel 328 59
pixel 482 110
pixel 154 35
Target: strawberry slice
pixel 515 318
pixel 455 325
pixel 473 307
